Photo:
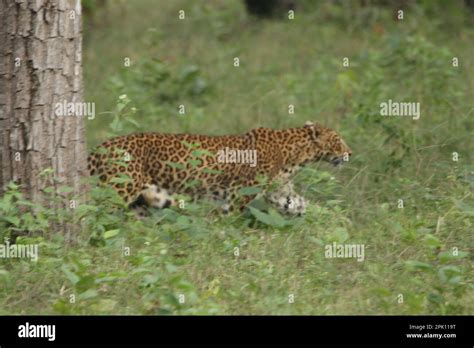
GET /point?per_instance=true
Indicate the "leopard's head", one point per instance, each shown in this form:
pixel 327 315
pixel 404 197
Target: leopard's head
pixel 327 145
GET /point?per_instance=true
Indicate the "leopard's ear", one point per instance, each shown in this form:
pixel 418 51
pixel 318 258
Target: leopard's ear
pixel 314 129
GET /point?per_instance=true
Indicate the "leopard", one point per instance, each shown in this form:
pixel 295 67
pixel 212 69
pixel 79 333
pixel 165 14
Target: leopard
pixel 157 167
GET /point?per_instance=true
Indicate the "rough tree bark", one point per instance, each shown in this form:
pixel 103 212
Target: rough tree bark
pixel 40 65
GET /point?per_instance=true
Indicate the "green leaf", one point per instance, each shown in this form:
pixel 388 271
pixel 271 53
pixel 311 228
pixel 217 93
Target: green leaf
pixel 101 151
pixel 91 293
pixel 380 291
pixel 432 241
pixel 262 179
pixel 120 164
pixel 417 265
pixel 250 191
pixel 170 267
pixel 190 145
pixel 133 122
pixel 62 306
pixel 340 234
pixel 183 221
pixel 185 285
pixel 12 186
pixel 464 207
pixel 171 299
pixel 14 220
pixel 435 298
pixel 189 72
pixel 111 233
pixel 194 162
pixel 316 241
pixel 446 273
pixel 122 179
pixel 212 171
pixel 65 189
pixel 192 183
pixel 149 279
pixel 85 283
pixel 274 220
pixel 46 172
pixel 73 278
pixel 176 165
pixel 202 152
pixel 449 256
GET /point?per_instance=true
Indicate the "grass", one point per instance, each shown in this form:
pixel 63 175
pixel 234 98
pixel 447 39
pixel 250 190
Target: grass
pixel 418 259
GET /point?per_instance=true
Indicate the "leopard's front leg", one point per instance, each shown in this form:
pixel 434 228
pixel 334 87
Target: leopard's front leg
pixel 286 200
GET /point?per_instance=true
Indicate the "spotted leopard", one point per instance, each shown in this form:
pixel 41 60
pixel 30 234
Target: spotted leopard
pixel 160 166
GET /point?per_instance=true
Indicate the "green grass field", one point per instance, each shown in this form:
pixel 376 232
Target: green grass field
pixel 418 258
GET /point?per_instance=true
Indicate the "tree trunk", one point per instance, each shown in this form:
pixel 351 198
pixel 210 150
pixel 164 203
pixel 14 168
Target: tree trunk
pixel 40 66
